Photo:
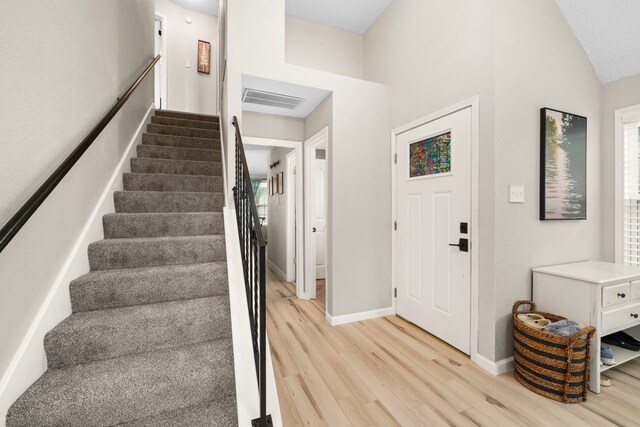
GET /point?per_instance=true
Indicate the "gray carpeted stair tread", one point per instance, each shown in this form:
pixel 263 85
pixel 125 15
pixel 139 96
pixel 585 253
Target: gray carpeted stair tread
pixel 112 254
pixel 182 131
pixel 178 153
pixel 178 167
pixel 188 116
pixel 171 182
pixel 105 289
pixel 128 225
pixel 127 388
pixel 180 122
pixel 166 201
pixel 181 141
pixel 91 336
pixel 219 413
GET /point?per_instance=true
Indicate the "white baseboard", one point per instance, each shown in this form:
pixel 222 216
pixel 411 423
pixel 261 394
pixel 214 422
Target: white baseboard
pixel 30 360
pixel 494 368
pixel 277 271
pixel 356 317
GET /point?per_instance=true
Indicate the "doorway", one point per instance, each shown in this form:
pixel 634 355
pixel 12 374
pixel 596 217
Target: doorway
pixel 435 237
pixel 160 70
pixel 316 197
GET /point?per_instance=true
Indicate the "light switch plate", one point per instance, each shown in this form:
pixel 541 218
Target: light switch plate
pixel 188 64
pixel 516 193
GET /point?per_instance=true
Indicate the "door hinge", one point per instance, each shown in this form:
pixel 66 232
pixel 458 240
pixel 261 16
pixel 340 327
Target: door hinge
pixel 395 158
pixel 395 225
pixel 294 171
pixel 395 292
pixel 160 32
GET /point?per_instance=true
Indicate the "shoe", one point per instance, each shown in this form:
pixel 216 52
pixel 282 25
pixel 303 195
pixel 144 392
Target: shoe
pixel 524 317
pixel 620 341
pixel 606 356
pixel 605 382
pixel 539 324
pixel 628 337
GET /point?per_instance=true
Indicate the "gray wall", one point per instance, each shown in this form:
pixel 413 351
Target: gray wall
pixel 518 56
pixel 271 126
pixel 189 90
pixel 616 95
pixel 525 83
pixel 438 72
pixel 277 244
pixel 324 48
pixel 65 63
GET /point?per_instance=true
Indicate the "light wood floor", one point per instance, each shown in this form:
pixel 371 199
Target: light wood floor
pixel 389 372
pixel 319 301
pixel 277 288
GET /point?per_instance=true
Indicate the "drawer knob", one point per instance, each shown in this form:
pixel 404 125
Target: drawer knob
pixel 623 295
pixel 635 316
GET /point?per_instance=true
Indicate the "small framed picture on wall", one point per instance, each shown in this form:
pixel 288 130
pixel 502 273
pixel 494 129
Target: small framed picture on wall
pixel 281 183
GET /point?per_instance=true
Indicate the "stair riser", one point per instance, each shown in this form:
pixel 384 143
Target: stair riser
pixel 133 253
pixel 174 121
pixel 123 226
pixel 173 153
pixel 113 289
pixel 223 411
pixel 105 394
pixel 186 116
pixel 181 131
pixel 177 167
pixel 180 141
pixel 156 182
pixel 135 330
pixel 166 202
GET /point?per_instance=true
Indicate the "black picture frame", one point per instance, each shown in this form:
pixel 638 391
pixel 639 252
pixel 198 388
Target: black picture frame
pixel 563 165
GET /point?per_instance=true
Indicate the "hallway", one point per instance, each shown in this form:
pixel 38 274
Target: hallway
pixel 387 371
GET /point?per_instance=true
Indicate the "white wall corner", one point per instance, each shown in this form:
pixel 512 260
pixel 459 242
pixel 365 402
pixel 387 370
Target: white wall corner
pixel 274 268
pixel 30 360
pixel 357 317
pixel 494 368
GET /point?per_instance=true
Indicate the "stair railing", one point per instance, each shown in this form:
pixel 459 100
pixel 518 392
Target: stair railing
pixel 19 219
pixel 252 248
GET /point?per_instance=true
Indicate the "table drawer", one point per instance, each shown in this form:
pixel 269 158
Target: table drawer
pixel 635 290
pixel 620 317
pixel 615 294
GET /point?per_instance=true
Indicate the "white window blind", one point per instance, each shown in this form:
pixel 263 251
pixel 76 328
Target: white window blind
pixel 631 193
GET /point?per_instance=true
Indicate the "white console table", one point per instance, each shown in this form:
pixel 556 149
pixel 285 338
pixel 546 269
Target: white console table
pixel 600 294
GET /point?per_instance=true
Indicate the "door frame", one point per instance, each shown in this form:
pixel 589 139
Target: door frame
pixel 474 104
pixel 298 149
pixel 309 243
pixel 163 59
pixel 622 115
pixel 291 190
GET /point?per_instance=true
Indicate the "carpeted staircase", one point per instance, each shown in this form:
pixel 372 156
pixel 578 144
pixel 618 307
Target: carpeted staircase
pixel 149 340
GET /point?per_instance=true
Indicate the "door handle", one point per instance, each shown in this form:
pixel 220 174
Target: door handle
pixel 314 229
pixel 463 245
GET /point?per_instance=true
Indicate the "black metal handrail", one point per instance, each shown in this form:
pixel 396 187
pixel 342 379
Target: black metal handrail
pixel 253 248
pixel 25 212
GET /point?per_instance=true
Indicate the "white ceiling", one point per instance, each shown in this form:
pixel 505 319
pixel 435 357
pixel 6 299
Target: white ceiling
pixel 609 32
pixel 257 159
pixel 351 15
pixel 312 96
pixel 210 7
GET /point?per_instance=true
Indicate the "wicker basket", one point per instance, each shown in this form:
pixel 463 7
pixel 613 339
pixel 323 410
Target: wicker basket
pixel 550 365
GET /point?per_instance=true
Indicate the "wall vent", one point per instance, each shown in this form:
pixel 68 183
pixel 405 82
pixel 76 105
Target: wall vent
pixel 253 96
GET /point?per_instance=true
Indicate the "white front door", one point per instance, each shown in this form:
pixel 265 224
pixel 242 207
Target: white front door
pixel 433 208
pixel 320 213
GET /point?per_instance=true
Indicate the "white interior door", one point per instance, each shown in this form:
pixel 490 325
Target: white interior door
pixel 158 71
pixel 433 207
pixel 320 213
